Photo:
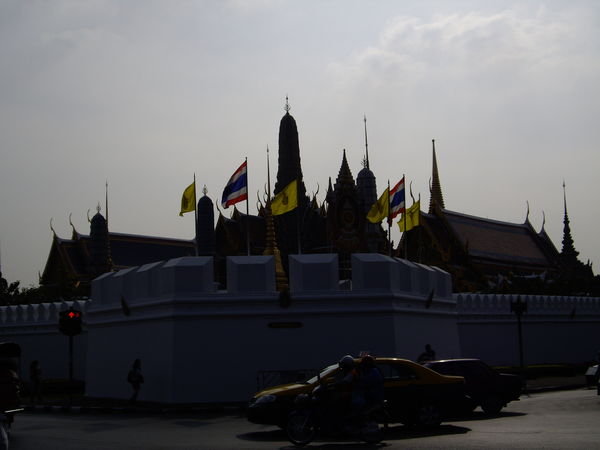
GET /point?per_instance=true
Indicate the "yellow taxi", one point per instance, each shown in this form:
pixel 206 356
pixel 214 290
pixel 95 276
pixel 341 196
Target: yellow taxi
pixel 415 394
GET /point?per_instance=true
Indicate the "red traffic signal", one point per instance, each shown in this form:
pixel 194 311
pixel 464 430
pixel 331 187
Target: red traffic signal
pixel 69 322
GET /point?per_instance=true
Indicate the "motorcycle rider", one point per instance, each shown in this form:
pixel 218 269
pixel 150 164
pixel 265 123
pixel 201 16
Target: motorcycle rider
pixel 369 385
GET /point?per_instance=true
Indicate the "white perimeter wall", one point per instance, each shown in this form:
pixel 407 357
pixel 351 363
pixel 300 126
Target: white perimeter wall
pixel 200 345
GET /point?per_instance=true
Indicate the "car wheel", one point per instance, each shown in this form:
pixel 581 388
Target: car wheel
pixel 492 404
pixel 300 428
pixel 428 416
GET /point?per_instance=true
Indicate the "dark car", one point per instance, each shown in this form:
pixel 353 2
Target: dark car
pixel 415 394
pixel 484 386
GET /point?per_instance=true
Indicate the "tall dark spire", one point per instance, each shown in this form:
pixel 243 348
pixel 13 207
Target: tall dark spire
pixel 100 259
pixel 568 248
pixel 289 167
pixel 365 180
pixel 205 228
pixel 436 197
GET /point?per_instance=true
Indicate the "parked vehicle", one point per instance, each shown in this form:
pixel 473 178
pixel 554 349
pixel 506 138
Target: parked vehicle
pixel 591 376
pixel 415 394
pixel 484 386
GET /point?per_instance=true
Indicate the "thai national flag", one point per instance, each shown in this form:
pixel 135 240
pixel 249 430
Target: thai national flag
pixel 397 199
pixel 237 187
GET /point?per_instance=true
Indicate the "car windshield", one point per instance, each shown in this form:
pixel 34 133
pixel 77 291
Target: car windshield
pixel 324 373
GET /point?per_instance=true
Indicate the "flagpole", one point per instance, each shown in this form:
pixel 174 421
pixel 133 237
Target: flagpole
pixel 405 235
pixel 247 211
pixel 419 236
pixel 298 215
pixel 106 202
pixel 195 215
pixel 389 221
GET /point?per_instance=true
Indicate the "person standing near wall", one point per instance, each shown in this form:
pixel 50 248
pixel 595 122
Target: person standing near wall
pixel 35 378
pixel 135 378
pixel 427 355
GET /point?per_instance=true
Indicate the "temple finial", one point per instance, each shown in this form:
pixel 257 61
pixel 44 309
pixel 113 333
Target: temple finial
pixel 204 190
pixel 287 105
pixel 565 196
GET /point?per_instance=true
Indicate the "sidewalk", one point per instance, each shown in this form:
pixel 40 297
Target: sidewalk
pixel 79 404
pixel 543 384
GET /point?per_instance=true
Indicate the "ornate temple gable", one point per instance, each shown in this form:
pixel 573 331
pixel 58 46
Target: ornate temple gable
pixel 436 198
pixel 344 181
pixel 345 220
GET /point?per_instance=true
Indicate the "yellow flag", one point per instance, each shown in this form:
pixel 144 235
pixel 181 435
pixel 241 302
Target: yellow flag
pixel 188 199
pixel 412 217
pixel 286 200
pixel 380 209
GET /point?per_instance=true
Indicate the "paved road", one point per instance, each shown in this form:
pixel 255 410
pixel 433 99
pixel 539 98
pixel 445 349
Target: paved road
pixel 553 420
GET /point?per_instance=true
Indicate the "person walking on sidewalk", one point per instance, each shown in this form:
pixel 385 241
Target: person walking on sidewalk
pixel 135 378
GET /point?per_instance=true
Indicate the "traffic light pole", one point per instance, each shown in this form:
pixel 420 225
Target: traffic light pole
pixel 70 359
pixel 70 370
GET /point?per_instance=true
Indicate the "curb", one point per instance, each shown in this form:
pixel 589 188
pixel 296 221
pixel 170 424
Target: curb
pixel 75 409
pixel 540 389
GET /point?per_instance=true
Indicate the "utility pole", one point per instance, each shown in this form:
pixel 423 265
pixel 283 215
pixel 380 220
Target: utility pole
pixel 519 307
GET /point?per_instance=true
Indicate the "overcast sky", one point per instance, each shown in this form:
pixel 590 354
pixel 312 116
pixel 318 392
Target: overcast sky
pixel 143 94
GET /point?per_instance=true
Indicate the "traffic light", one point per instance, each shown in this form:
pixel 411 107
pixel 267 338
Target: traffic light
pixel 69 322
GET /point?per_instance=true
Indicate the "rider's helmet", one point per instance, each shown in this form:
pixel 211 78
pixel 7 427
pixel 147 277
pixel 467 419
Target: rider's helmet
pixel 347 362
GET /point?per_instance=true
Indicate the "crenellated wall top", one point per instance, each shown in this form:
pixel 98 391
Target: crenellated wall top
pixel 474 303
pixel 39 313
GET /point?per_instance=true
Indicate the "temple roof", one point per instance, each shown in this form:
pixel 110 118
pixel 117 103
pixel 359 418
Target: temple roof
pixel 496 240
pixel 127 250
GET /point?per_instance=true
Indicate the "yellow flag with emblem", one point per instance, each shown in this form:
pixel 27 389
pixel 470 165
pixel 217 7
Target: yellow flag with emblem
pixel 380 209
pixel 286 200
pixel 188 199
pixel 411 218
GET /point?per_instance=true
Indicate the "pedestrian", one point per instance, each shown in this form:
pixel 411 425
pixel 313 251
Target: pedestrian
pixel 135 378
pixel 35 377
pixel 427 355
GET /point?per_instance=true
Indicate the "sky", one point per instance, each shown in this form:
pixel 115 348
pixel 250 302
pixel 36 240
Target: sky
pixel 142 95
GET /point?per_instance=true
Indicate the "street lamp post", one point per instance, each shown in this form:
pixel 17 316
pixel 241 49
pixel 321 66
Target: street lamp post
pixel 519 307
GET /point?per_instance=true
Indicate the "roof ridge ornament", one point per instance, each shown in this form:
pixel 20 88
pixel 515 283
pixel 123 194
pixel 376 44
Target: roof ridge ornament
pixel 543 220
pixel 287 106
pixel 71 223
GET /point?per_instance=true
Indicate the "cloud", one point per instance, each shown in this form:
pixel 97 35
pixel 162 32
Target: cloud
pixel 501 51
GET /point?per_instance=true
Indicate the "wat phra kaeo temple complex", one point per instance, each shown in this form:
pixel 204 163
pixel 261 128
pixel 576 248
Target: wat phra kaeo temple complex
pixel 480 254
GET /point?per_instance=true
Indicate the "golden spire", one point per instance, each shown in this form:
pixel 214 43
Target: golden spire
pixel 271 248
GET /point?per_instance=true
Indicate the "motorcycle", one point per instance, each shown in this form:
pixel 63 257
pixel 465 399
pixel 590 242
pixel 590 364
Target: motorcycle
pixel 314 414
